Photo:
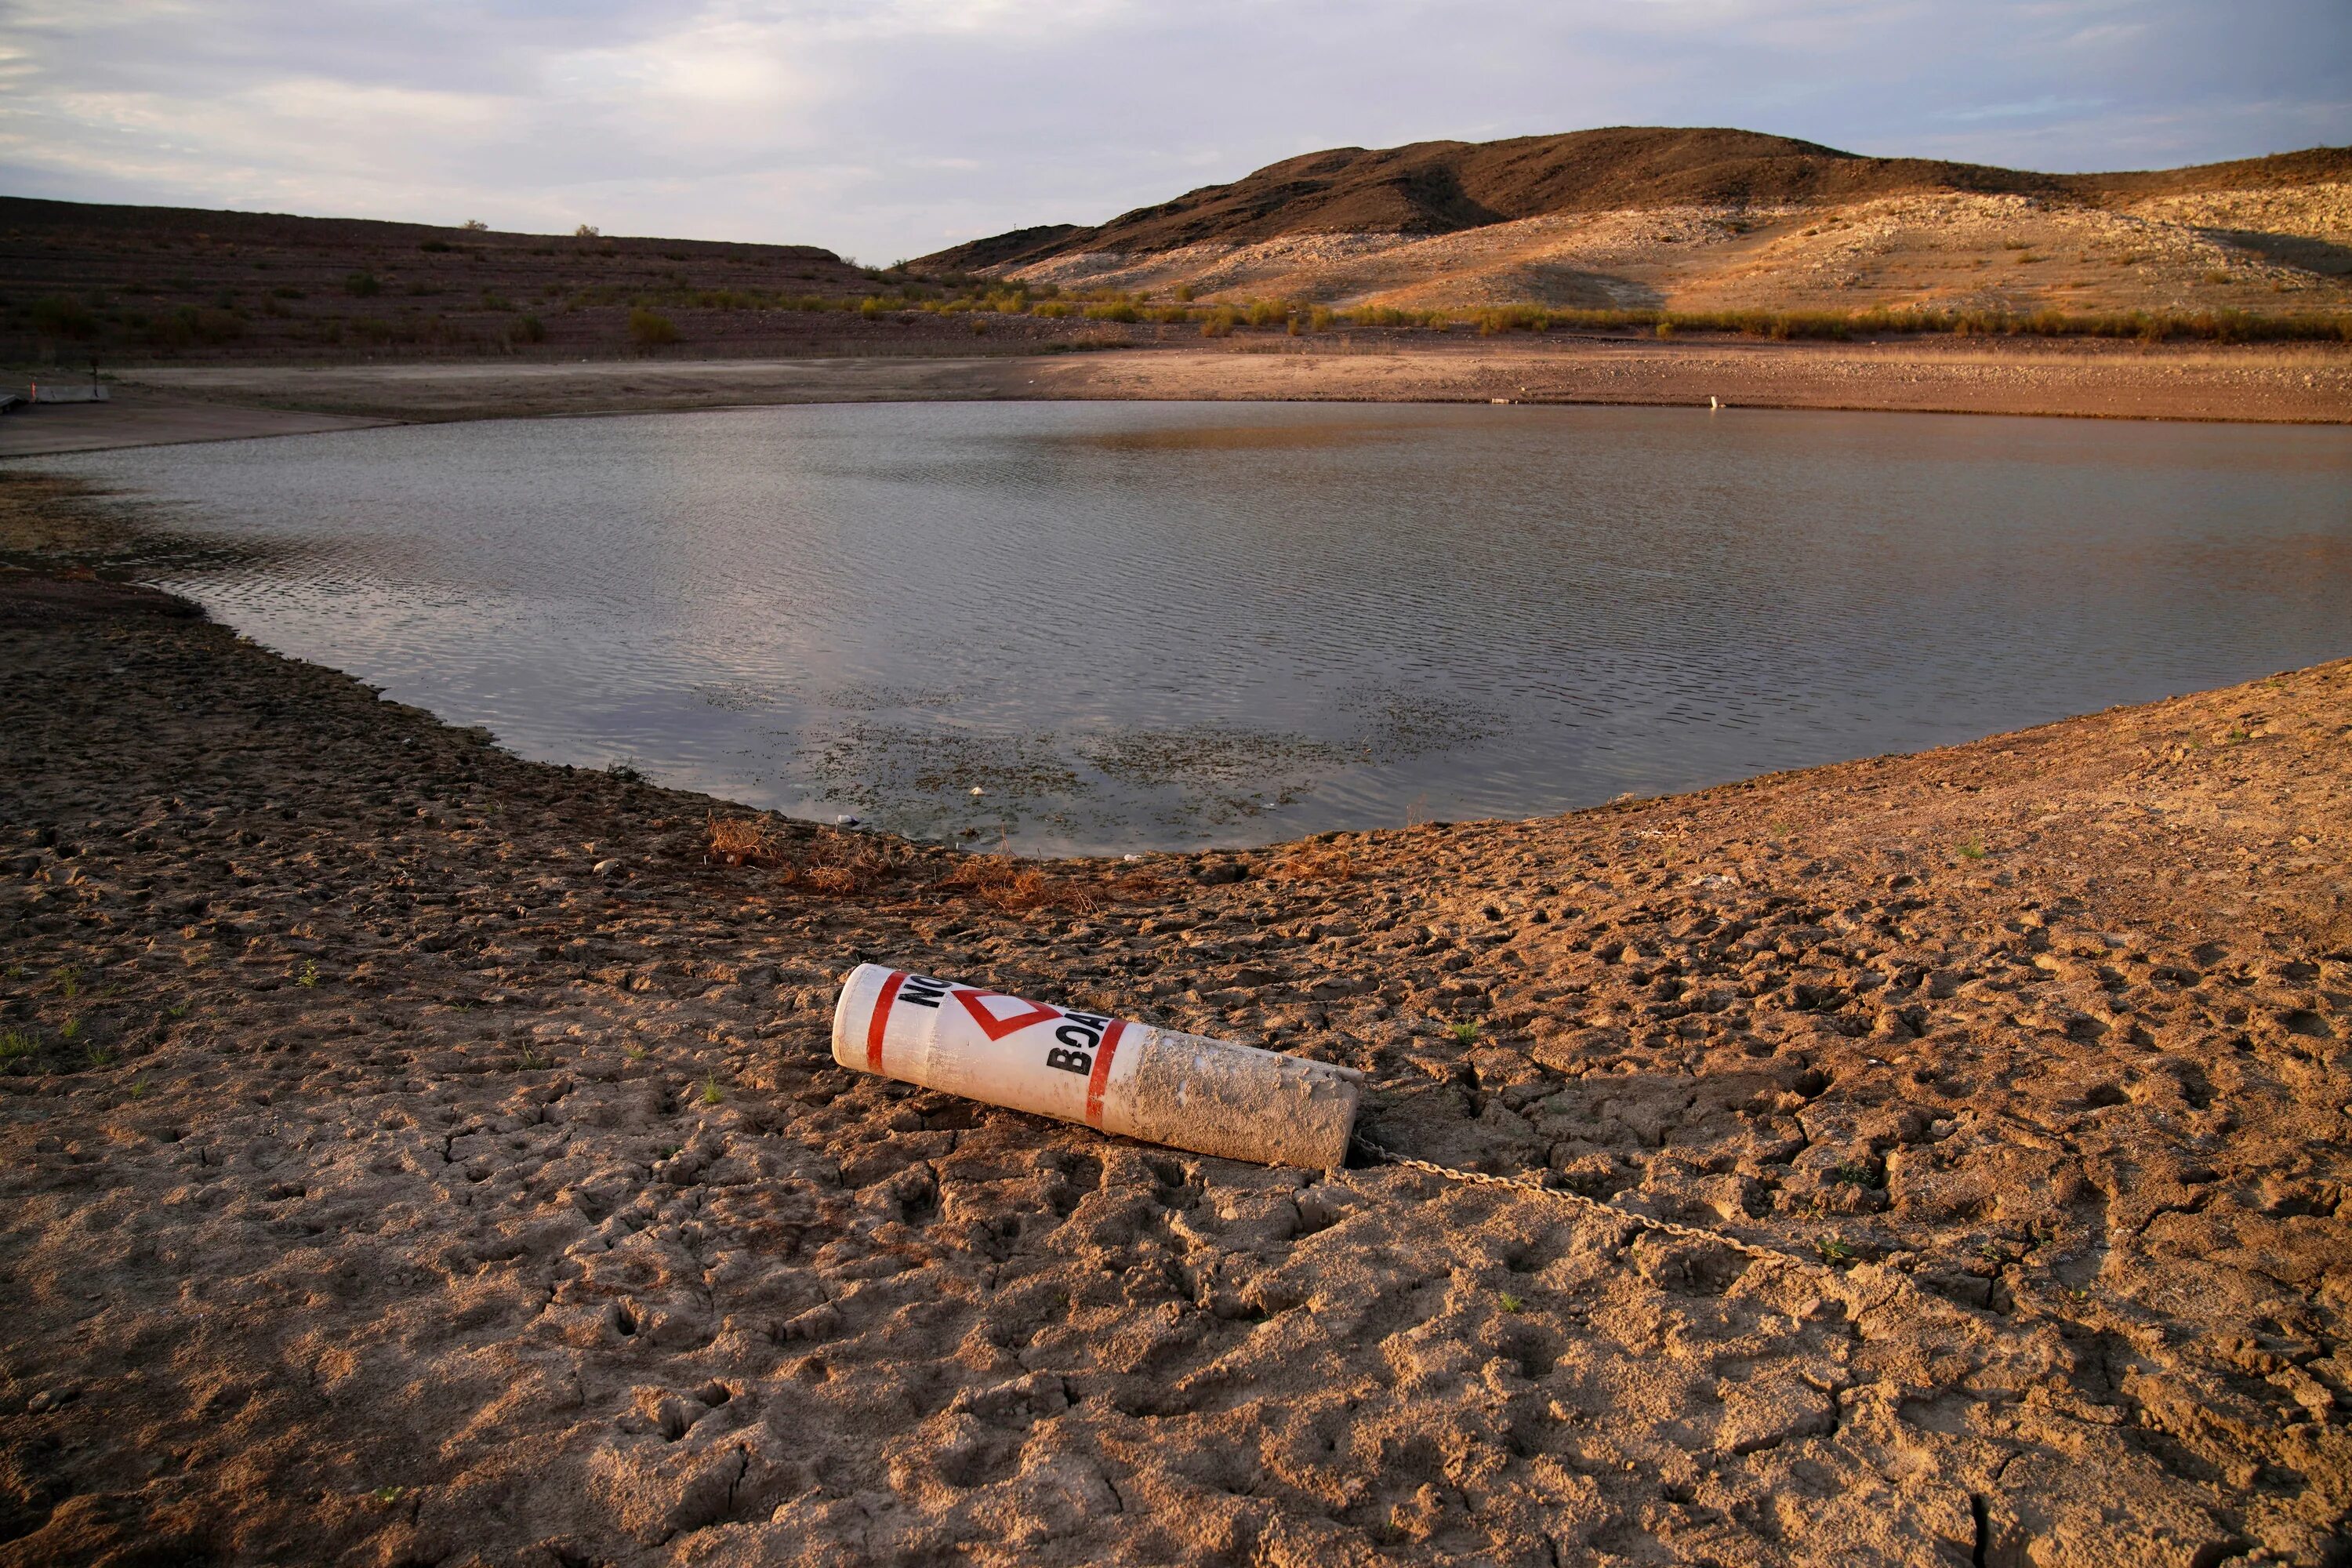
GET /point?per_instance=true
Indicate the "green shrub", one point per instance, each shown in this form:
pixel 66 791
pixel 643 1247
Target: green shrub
pixel 364 285
pixel 529 330
pixel 1220 322
pixel 648 328
pixel 1121 311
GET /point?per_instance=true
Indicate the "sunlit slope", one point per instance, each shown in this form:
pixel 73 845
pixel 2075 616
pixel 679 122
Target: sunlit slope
pixel 1718 220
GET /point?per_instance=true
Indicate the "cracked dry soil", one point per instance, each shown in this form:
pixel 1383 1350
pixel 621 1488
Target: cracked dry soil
pixel 386 1184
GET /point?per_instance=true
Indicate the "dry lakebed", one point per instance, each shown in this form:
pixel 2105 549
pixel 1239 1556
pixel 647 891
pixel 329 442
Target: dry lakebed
pixel 413 1155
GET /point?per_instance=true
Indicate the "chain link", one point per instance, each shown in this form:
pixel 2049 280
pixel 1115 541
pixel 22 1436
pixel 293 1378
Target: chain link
pixel 1578 1200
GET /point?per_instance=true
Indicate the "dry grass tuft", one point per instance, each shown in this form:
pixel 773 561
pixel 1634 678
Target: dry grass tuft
pixel 838 865
pixel 1011 887
pixel 842 865
pixel 1316 865
pixel 745 841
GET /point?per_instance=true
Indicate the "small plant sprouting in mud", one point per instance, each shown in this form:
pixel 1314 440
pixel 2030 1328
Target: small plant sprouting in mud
pixel 18 972
pixel 308 977
pixel 139 1090
pixel 1512 1303
pixel 531 1061
pixel 625 770
pixel 388 1495
pixel 2238 738
pixel 98 1057
pixel 1466 1033
pixel 176 1010
pixel 1973 849
pixel 1833 1251
pixel 635 1052
pixel 1855 1175
pixel 17 1043
pixel 711 1093
pixel 69 979
pixel 71 1031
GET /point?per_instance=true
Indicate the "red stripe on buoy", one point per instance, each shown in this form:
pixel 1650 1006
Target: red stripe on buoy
pixel 874 1026
pixel 1100 1079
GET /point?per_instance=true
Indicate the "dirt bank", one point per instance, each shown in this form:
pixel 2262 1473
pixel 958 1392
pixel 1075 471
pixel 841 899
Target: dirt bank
pixel 143 416
pixel 414 1154
pixel 2265 381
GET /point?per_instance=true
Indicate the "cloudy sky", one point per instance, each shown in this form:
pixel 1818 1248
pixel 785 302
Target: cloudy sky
pixel 891 127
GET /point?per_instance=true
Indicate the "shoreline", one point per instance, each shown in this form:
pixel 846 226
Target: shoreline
pixel 2253 384
pixel 413 1151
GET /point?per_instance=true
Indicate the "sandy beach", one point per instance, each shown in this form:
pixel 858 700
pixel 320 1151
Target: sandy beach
pixel 416 1154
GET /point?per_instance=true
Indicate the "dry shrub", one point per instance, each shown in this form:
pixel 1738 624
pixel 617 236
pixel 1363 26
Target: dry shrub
pixel 1316 865
pixel 1010 887
pixel 843 864
pixel 1143 885
pixel 744 841
pixel 836 864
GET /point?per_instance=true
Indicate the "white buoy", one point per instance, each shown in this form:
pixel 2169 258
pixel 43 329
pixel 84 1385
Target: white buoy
pixel 1116 1076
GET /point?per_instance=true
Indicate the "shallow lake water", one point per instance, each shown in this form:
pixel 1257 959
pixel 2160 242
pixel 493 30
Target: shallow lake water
pixel 1137 626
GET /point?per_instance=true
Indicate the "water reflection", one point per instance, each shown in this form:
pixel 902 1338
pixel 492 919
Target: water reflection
pixel 1140 625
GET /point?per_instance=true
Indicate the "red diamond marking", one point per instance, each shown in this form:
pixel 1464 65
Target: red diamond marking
pixel 995 1026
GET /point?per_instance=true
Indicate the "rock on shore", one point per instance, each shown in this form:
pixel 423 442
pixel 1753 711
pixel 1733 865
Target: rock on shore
pixel 413 1155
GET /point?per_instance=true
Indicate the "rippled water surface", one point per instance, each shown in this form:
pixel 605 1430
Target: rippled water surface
pixel 1141 625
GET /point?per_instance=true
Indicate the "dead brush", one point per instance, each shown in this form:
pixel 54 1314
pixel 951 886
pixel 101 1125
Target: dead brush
pixel 1316 865
pixel 1010 887
pixel 745 841
pixel 842 865
pixel 838 865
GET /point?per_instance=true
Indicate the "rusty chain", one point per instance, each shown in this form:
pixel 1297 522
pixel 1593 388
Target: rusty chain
pixel 1578 1200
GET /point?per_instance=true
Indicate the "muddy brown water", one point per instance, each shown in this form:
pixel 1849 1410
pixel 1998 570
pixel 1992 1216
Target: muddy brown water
pixel 1139 625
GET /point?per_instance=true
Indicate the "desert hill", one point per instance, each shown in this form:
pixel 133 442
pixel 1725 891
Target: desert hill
pixel 88 280
pixel 1712 219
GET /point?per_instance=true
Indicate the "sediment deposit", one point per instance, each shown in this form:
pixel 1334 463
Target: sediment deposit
pixel 411 1153
pixel 2282 382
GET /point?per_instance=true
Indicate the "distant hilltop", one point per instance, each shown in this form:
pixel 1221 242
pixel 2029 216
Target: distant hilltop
pixel 1442 187
pixel 1649 217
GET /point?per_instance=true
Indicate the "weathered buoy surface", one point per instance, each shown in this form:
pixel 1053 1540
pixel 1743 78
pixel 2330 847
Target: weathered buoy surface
pixel 1188 1091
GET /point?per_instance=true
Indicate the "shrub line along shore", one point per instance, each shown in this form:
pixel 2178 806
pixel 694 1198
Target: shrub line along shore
pixel 413 1153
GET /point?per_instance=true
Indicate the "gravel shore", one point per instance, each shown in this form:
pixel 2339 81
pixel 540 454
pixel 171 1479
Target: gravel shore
pixel 414 1154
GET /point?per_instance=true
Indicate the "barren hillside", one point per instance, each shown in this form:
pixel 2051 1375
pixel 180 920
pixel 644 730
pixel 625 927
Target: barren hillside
pixel 1708 220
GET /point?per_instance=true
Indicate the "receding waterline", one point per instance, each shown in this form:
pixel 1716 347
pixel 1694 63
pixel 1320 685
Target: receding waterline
pixel 1104 627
